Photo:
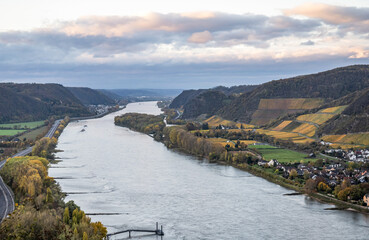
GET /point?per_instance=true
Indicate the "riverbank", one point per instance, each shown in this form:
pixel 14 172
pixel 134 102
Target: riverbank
pixel 179 138
pixel 146 182
pixel 40 210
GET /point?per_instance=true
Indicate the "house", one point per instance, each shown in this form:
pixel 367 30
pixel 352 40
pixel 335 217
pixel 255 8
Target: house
pixel 273 163
pixel 366 199
pixel 262 163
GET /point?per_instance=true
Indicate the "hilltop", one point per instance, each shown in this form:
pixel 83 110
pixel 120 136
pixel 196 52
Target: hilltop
pixel 89 96
pixel 207 101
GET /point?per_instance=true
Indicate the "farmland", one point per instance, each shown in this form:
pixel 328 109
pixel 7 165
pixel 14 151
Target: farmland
pixel 10 132
pixel 290 103
pixel 306 129
pixel 282 125
pixel 334 110
pixel 221 141
pixel 22 125
pixel 32 135
pixel 215 121
pixel 270 109
pixel 248 142
pixel 315 118
pixel 295 137
pixel 348 139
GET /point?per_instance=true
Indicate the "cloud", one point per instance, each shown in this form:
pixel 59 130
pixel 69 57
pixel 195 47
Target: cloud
pixel 351 19
pixel 200 37
pixel 184 38
pixel 330 13
pixel 111 37
pixel 308 43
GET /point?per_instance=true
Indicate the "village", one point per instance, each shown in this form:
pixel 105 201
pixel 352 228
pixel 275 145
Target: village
pixel 349 166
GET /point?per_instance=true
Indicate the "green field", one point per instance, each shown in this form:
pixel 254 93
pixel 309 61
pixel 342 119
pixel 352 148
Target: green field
pixel 10 132
pixel 23 125
pixel 281 154
pixel 34 133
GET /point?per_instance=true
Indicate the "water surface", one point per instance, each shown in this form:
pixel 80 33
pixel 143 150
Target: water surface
pixel 111 169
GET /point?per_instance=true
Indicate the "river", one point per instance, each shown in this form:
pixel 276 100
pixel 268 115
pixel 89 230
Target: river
pixel 111 169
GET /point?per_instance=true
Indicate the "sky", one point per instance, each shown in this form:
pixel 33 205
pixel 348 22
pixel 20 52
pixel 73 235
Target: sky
pixel 178 44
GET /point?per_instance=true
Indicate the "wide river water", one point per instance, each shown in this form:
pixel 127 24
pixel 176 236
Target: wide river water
pixel 111 169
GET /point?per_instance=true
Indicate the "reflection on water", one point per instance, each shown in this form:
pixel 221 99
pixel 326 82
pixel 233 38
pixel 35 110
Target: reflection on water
pixel 122 171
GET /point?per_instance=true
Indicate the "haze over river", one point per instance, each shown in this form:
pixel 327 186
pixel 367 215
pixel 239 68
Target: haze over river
pixel 111 169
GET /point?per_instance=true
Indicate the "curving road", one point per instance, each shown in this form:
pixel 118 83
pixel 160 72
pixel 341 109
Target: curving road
pixel 6 196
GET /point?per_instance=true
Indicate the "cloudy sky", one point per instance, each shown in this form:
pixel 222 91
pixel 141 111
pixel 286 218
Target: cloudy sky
pixel 177 44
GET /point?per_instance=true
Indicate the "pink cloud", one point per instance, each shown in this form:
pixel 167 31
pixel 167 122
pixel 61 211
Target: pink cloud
pixel 330 13
pixel 200 37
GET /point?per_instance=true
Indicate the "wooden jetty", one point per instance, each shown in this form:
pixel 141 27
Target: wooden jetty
pixel 157 231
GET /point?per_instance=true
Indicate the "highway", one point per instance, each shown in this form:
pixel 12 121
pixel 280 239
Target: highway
pixel 6 196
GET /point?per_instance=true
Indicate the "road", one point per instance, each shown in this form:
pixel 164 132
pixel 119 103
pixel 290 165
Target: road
pixel 6 196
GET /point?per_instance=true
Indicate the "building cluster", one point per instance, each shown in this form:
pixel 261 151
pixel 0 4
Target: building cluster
pixel 350 155
pixel 333 173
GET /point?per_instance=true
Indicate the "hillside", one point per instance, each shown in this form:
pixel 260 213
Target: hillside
pixel 208 102
pixel 329 85
pixel 270 109
pixel 90 96
pixel 354 119
pixel 16 107
pixel 30 102
pixel 187 95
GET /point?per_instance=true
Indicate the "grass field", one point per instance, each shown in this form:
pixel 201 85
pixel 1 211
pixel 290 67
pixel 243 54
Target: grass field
pixel 10 132
pixel 34 133
pixel 23 125
pixel 281 154
pixel 315 118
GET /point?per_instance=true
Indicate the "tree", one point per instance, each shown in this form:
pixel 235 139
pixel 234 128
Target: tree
pixel 85 236
pixel 310 186
pixel 318 163
pixel 322 187
pixel 356 193
pixel 344 194
pixel 75 234
pixel 306 174
pixel 345 184
pixel 66 216
pixel 49 196
pixel 293 174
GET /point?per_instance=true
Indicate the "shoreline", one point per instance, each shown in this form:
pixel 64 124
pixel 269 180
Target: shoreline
pixel 340 205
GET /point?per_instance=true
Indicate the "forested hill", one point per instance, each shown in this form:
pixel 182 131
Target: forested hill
pixel 29 102
pixel 328 85
pixel 354 119
pixel 90 96
pixel 188 95
pixel 208 102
